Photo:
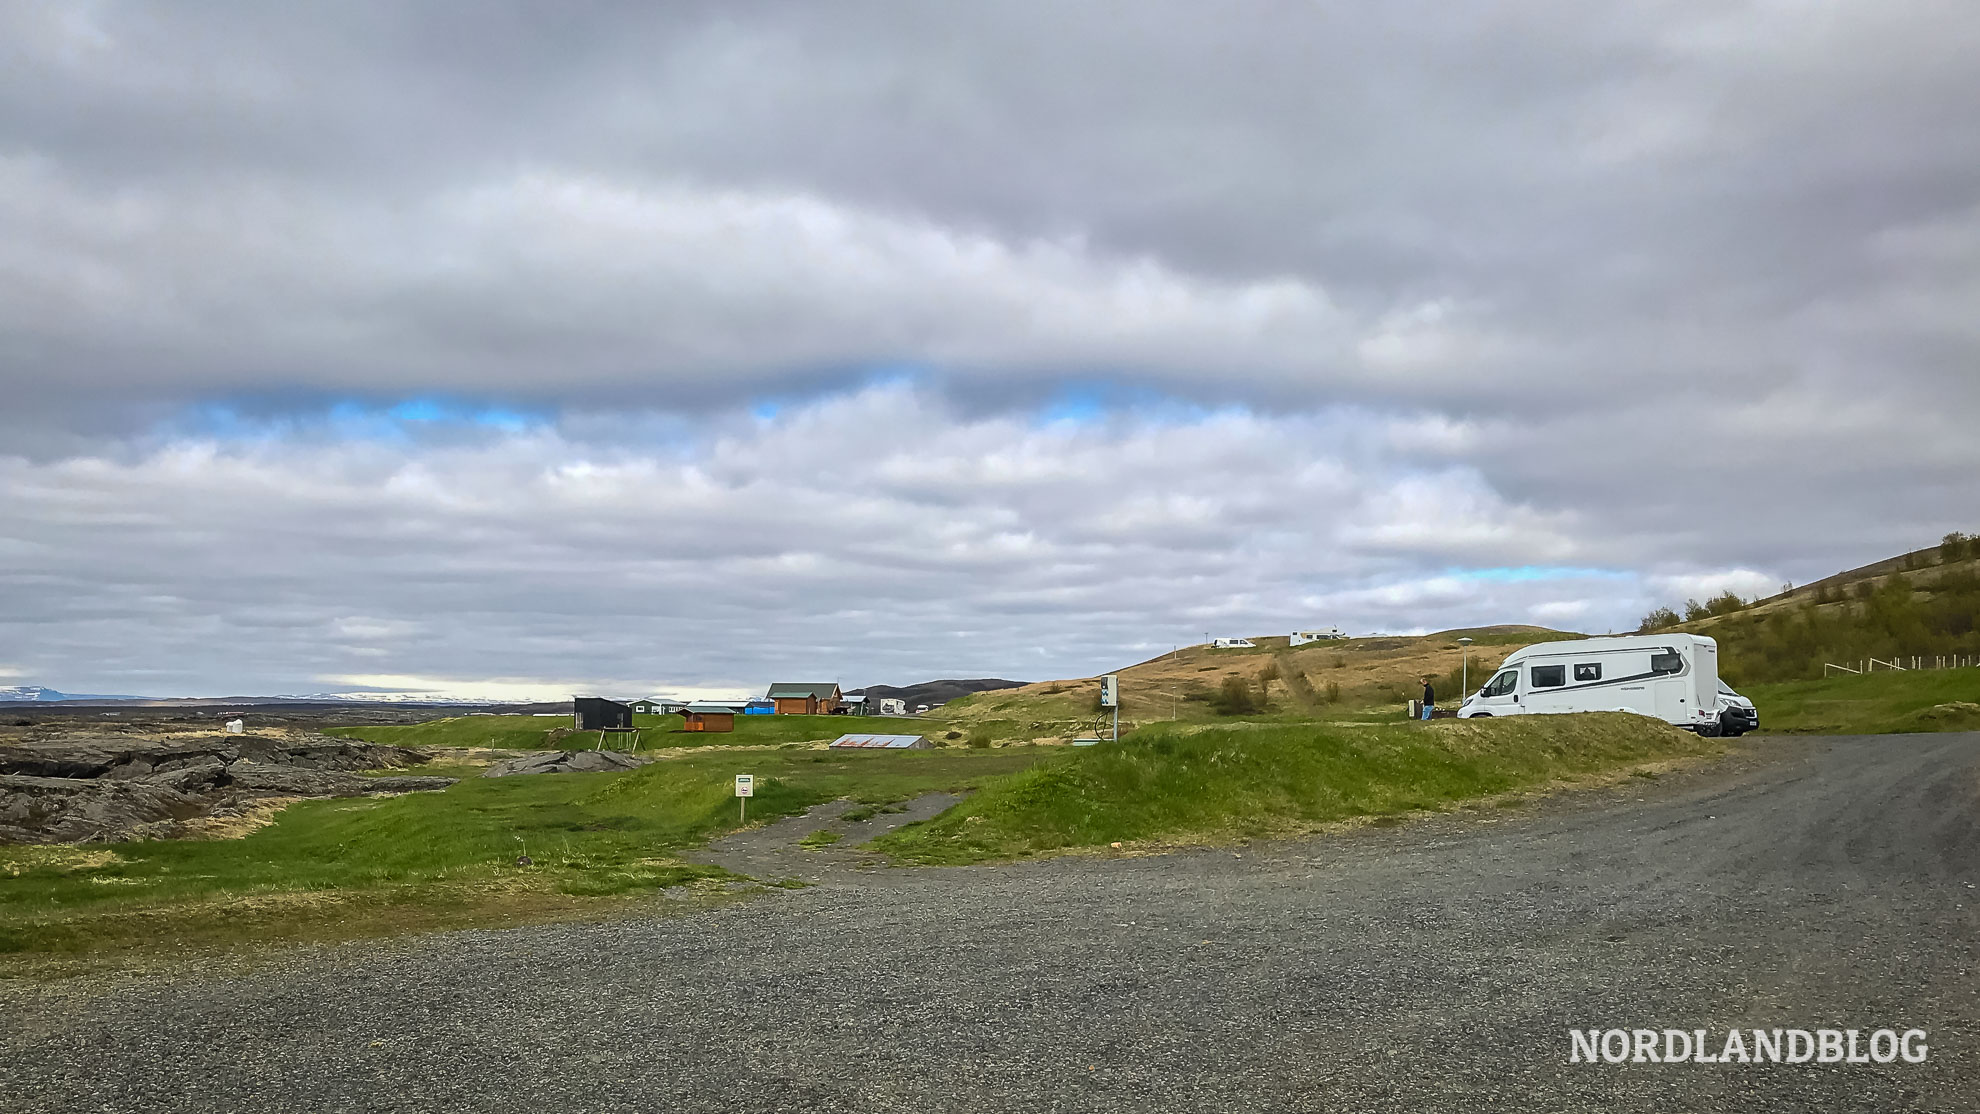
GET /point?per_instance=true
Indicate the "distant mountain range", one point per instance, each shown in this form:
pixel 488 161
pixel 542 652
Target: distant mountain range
pixel 37 693
pixel 21 694
pixel 934 692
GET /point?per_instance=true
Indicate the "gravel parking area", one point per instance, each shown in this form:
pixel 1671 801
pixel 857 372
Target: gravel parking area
pixel 1437 965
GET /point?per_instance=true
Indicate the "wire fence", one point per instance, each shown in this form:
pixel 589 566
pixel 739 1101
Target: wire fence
pixel 1904 664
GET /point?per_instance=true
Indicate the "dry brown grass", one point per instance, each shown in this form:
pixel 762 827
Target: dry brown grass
pixel 236 822
pixel 1371 672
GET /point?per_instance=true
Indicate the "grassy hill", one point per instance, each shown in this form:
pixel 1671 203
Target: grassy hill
pixel 1923 604
pixel 1340 679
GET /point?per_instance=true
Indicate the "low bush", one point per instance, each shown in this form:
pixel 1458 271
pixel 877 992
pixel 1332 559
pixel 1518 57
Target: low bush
pixel 1234 698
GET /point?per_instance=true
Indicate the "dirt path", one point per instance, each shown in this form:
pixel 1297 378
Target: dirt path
pixel 779 850
pixel 1434 966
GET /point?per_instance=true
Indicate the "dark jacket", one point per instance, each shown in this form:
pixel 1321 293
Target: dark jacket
pixel 1429 694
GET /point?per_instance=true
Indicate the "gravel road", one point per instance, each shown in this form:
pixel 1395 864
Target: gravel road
pixel 1437 965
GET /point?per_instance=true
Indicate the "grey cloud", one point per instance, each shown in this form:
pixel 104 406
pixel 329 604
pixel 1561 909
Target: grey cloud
pixel 264 563
pixel 1665 289
pixel 1664 188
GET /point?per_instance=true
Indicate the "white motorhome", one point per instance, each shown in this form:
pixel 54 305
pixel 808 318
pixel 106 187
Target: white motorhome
pixel 1231 643
pixel 1302 637
pixel 1672 677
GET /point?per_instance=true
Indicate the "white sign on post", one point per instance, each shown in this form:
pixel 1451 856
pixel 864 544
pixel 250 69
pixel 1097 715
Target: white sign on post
pixel 745 785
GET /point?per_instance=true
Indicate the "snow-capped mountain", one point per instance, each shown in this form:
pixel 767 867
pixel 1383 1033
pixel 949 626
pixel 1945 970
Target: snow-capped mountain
pixel 385 698
pixel 36 692
pixel 21 694
pixel 30 692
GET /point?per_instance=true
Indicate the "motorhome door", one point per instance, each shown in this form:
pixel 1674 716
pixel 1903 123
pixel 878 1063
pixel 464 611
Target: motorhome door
pixel 1500 696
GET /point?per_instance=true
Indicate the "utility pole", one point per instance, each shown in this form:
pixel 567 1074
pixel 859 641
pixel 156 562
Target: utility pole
pixel 1464 686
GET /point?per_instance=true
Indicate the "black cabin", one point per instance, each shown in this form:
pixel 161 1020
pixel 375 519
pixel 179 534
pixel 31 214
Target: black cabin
pixel 597 714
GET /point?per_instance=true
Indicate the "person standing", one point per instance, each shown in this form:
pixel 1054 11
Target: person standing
pixel 1429 698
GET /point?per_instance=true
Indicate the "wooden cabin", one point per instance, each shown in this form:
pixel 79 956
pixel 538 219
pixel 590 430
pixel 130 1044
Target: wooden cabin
pixel 708 717
pixel 820 698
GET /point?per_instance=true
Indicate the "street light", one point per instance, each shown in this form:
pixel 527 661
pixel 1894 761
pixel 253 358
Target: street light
pixel 1464 684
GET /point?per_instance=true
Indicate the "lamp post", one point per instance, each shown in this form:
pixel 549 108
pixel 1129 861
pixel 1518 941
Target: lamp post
pixel 1464 684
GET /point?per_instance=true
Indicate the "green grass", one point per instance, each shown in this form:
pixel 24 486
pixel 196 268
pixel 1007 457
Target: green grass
pixel 1243 781
pixel 554 733
pixel 503 732
pixel 1873 704
pixel 333 868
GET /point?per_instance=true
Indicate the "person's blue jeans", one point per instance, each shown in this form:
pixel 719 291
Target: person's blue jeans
pixel 1427 709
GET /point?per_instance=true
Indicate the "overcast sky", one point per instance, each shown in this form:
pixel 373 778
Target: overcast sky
pixel 481 347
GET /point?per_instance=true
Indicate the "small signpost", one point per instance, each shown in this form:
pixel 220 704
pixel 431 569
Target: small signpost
pixel 745 789
pixel 1110 697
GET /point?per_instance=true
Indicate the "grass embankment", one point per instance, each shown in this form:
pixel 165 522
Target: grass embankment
pixel 1873 704
pixel 343 868
pixel 1245 781
pixel 554 733
pixel 1359 679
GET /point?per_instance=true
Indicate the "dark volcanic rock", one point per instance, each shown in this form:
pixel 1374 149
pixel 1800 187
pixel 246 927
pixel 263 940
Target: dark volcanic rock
pixel 290 781
pixel 566 762
pixel 115 756
pixel 111 788
pixel 74 810
pixel 323 752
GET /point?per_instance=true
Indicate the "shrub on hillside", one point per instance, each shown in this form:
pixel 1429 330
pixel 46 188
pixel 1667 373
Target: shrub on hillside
pixel 1725 603
pixel 1955 547
pixel 1893 621
pixel 1694 611
pixel 1658 620
pixel 1234 697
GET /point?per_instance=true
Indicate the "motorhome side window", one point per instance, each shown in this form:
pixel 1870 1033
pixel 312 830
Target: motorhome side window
pixel 1666 661
pixel 1549 676
pixel 1501 685
pixel 1588 671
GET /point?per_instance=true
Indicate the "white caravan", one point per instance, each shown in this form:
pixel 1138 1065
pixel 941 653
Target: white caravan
pixel 1672 677
pixel 1302 637
pixel 1231 643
